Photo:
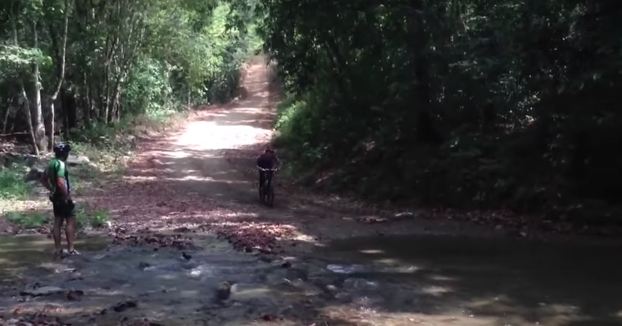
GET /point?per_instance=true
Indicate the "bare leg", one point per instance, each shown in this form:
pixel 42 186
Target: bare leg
pixel 58 224
pixel 70 232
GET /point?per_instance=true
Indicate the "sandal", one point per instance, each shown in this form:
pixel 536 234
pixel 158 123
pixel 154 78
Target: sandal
pixel 73 253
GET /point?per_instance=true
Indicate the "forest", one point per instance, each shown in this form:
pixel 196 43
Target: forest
pixel 476 104
pixel 74 69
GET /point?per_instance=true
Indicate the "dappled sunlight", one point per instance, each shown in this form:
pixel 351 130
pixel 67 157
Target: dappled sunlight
pixel 388 261
pixel 214 137
pixel 436 291
pixel 372 251
pixel 363 313
pixel 190 152
pixel 52 310
pixel 225 132
pixel 228 217
pixel 499 314
pixel 18 205
pixel 186 178
pixel 251 110
pixel 442 278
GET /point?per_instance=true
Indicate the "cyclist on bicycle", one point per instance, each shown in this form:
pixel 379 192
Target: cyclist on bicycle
pixel 268 161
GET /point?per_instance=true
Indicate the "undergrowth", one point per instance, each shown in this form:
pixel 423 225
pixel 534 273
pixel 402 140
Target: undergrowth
pixel 12 185
pixel 37 219
pixel 333 154
pixel 28 220
pixel 110 146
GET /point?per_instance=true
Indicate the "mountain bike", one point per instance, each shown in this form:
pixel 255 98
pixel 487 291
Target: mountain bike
pixel 266 191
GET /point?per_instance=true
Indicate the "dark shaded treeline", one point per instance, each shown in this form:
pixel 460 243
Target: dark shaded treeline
pixel 472 103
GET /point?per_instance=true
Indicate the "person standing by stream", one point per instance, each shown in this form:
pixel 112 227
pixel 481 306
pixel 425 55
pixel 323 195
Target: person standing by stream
pixel 55 178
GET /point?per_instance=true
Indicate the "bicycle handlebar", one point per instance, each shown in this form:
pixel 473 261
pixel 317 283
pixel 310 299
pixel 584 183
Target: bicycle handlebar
pixel 266 170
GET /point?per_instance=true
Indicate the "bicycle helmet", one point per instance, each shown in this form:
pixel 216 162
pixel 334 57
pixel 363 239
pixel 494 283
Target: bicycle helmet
pixel 62 148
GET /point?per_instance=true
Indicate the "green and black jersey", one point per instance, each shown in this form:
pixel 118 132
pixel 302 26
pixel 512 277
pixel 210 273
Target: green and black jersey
pixel 57 169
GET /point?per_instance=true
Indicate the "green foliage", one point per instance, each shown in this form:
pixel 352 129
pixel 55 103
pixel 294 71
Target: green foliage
pixel 82 218
pixel 12 185
pixel 19 57
pixel 99 219
pixel 295 124
pixel 152 59
pixel 28 221
pixel 149 90
pixel 93 219
pixel 461 103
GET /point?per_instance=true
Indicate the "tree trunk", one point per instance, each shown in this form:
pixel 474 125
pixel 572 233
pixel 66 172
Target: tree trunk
pixel 65 105
pixel 6 117
pixel 37 116
pixel 26 103
pixel 87 99
pixel 50 132
pixel 31 129
pixel 425 131
pixel 70 118
pixel 61 75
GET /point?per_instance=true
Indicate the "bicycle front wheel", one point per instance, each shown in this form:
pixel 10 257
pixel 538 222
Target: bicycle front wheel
pixel 270 197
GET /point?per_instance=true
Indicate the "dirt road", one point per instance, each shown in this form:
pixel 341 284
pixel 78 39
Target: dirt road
pixel 302 262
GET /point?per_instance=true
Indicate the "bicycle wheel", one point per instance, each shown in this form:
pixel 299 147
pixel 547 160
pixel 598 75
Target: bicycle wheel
pixel 270 197
pixel 261 194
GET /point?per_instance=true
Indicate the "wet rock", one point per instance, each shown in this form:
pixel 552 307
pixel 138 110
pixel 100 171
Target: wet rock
pixel 75 295
pixel 331 288
pixel 265 259
pixel 38 164
pixel 42 291
pixel 195 272
pixel 34 174
pixel 186 256
pixel 123 306
pixel 144 237
pixel 404 215
pixel 360 284
pixel 143 265
pixel 297 273
pixel 269 317
pixel 346 269
pixel 224 291
pixel 285 264
pixel 8 159
pixel 182 229
pixel 74 160
pixel 145 322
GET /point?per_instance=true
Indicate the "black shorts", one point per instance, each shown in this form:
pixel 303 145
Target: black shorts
pixel 63 208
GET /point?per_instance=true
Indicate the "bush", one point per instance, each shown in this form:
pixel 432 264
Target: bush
pixel 28 221
pixel 12 185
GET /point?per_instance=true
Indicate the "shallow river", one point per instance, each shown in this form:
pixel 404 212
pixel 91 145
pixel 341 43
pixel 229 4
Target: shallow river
pixel 415 280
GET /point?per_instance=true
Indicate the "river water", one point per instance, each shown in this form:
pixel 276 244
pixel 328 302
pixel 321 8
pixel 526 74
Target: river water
pixel 414 280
